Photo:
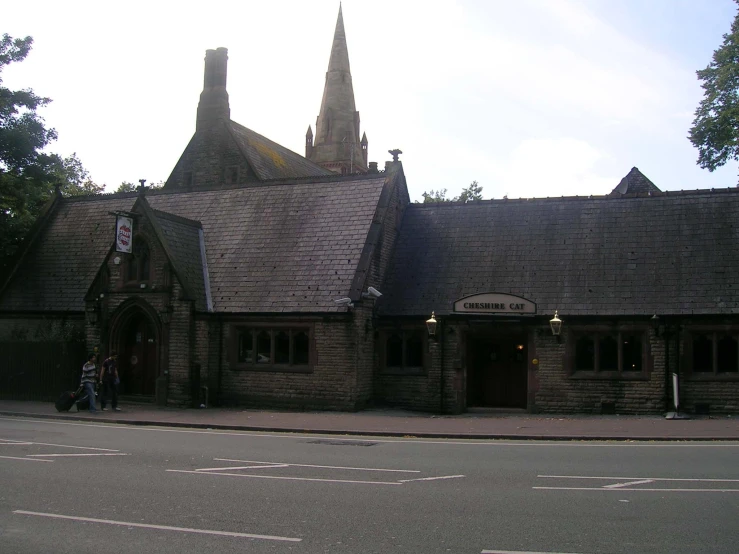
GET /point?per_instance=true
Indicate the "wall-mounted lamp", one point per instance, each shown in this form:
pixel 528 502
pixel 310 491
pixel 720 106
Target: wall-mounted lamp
pixel 431 325
pixel 556 324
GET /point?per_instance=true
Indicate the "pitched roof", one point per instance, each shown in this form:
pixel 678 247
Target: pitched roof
pixel 666 254
pixel 635 182
pixel 279 247
pixel 270 160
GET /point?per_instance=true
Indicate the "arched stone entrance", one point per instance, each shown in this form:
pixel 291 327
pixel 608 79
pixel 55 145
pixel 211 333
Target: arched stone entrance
pixel 135 335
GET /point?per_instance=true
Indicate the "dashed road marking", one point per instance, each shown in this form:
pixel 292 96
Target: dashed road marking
pixel 286 478
pixel 631 483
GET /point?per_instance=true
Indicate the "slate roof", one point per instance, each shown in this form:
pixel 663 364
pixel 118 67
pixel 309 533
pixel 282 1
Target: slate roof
pixel 666 254
pixel 635 182
pixel 277 247
pixel 270 160
pixel 181 238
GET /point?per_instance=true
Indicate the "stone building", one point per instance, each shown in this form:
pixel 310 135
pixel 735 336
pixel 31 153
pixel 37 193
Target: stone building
pixel 253 279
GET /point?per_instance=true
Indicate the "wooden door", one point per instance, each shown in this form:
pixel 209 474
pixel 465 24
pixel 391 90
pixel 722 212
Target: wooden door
pixel 497 372
pixel 137 366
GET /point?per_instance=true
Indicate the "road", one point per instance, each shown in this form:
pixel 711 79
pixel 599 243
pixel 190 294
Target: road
pixel 77 487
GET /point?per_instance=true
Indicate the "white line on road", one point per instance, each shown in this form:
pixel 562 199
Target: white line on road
pixel 15 443
pixel 241 467
pixel 619 485
pixel 432 478
pixel 288 433
pixel 65 446
pixel 322 467
pixel 162 527
pixel 26 459
pixel 637 490
pixel 518 552
pixel 604 478
pixel 286 478
pixel 77 455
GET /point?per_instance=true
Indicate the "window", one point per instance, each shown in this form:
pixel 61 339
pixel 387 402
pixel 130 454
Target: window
pixel 266 348
pixel 403 349
pixel 713 352
pixel 139 262
pixel 608 352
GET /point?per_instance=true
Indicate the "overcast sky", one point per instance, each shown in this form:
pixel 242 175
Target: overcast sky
pixel 530 98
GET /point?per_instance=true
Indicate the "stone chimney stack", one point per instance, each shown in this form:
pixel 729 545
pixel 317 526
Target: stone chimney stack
pixel 213 106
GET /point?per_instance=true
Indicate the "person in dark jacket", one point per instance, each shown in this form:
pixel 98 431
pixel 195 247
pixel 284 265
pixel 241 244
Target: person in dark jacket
pixel 89 380
pixel 109 379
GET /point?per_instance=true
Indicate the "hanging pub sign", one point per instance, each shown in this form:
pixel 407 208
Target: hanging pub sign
pixel 123 233
pixel 494 303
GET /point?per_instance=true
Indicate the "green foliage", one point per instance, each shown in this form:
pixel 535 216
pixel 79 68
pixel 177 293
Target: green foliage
pixel 27 174
pixel 471 193
pixel 715 130
pixel 126 186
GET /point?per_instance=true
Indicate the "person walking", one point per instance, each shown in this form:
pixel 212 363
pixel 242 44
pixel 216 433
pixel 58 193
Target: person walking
pixel 109 379
pixel 89 380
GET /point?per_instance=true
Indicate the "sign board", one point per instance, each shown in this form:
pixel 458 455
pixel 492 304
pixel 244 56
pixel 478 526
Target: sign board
pixel 123 234
pixel 494 303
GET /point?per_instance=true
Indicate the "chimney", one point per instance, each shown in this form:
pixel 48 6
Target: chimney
pixel 213 106
pixel 373 168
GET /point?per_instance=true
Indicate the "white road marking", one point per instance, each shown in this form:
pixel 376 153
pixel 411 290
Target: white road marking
pixel 161 527
pixel 321 467
pixel 15 443
pixel 286 478
pixel 241 467
pixel 76 455
pixel 619 485
pixel 291 434
pixel 637 489
pixel 604 478
pixel 518 552
pixel 432 478
pixel 26 459
pixel 62 445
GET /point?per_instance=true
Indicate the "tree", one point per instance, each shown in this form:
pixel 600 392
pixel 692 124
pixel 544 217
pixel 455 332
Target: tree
pixel 27 174
pixel 471 193
pixel 127 186
pixel 715 130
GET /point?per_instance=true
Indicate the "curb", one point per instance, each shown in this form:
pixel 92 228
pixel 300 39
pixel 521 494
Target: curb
pixel 417 435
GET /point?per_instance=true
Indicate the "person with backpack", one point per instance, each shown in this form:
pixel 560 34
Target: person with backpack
pixel 109 379
pixel 89 380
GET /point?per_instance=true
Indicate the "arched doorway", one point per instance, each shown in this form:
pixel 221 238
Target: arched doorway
pixel 136 340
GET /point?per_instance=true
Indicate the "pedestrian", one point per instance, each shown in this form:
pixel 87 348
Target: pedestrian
pixel 89 380
pixel 109 379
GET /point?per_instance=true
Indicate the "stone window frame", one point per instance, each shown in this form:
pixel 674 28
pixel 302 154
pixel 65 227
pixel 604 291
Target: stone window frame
pixel 599 331
pixel 406 332
pixel 272 329
pixel 716 332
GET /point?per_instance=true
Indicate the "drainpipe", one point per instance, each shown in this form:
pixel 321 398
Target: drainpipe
pixel 441 379
pixel 220 359
pixel 667 368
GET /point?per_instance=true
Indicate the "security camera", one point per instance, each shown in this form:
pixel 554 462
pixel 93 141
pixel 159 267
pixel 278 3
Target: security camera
pixel 344 302
pixel 373 292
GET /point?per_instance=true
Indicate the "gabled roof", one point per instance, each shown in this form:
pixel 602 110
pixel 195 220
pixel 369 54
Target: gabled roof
pixel 635 182
pixel 286 246
pixel 270 160
pixel 666 254
pixel 227 144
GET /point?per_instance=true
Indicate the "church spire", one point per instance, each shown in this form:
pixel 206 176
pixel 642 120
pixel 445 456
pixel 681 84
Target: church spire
pixel 338 146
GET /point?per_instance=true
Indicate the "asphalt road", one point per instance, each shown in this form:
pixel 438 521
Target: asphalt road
pixel 76 487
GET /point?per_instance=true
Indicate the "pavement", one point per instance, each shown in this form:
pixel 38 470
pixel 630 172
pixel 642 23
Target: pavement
pixel 397 423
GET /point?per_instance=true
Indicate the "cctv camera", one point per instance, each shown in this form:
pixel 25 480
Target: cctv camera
pixel 371 292
pixel 344 302
pixel 374 292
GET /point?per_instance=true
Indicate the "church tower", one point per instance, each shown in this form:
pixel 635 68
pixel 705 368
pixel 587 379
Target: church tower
pixel 338 146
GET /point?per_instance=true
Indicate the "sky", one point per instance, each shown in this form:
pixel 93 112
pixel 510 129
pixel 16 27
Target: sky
pixel 531 99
